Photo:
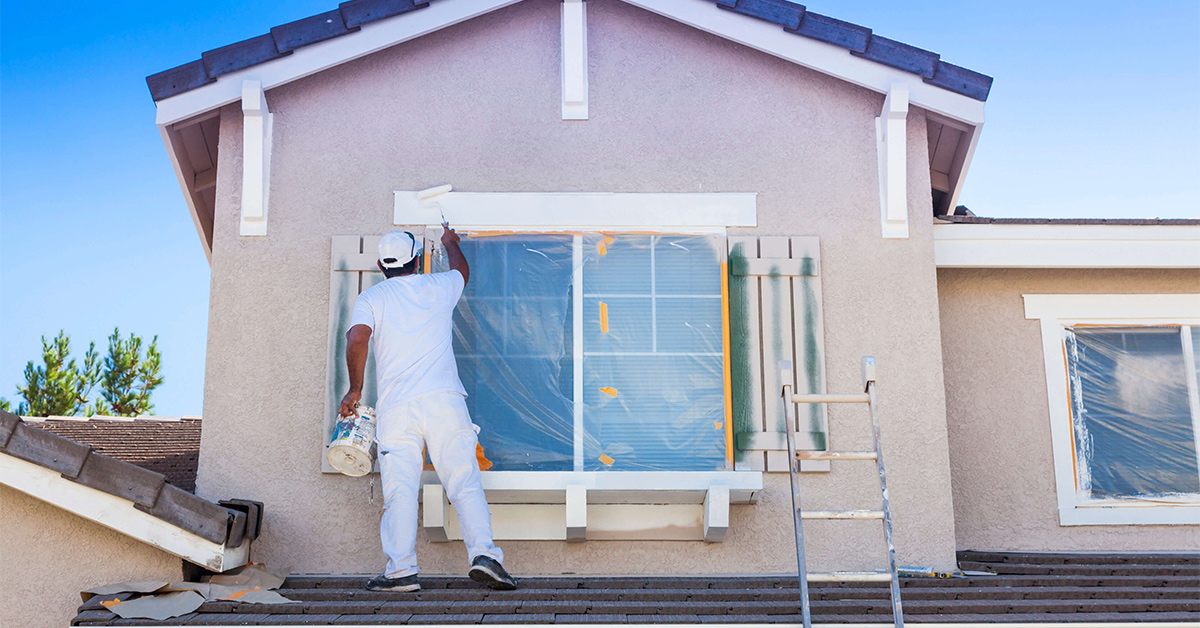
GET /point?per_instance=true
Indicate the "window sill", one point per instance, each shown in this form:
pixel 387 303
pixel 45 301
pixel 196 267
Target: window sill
pixel 588 505
pixel 1149 514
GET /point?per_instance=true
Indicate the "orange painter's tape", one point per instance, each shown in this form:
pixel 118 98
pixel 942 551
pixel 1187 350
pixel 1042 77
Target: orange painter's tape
pixel 604 317
pixel 111 603
pixel 603 246
pixel 606 459
pixel 609 390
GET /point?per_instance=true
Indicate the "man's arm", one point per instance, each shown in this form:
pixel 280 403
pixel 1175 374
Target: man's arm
pixel 454 254
pixel 357 343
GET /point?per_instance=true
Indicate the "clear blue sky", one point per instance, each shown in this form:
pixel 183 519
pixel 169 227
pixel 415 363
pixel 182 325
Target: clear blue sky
pixel 1095 112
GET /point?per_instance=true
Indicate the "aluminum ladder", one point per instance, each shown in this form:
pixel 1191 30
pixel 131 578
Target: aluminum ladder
pixel 867 397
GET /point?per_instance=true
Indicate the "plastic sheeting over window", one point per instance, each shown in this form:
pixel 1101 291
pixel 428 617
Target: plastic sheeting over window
pixel 1132 395
pixel 647 349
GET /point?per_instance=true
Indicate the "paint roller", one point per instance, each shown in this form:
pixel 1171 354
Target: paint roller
pixel 434 192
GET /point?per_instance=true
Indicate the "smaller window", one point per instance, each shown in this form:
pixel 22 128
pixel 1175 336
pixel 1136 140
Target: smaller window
pixel 1130 392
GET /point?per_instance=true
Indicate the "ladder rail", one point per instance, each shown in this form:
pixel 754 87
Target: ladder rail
pixel 794 474
pixel 897 614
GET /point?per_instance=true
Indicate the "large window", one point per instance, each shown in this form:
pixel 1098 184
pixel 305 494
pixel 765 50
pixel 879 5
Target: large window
pixel 1124 401
pixel 594 352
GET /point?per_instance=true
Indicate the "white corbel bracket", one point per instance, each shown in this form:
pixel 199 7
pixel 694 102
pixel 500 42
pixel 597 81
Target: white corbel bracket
pixel 256 159
pixel 576 513
pixel 574 60
pixel 716 513
pixel 891 142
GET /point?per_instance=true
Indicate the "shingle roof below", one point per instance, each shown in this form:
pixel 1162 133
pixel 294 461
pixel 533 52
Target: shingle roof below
pixel 168 446
pixel 982 220
pixel 792 17
pixel 1028 588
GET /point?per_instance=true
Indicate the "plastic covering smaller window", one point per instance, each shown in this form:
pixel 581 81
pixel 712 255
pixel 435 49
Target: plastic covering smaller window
pixel 1132 393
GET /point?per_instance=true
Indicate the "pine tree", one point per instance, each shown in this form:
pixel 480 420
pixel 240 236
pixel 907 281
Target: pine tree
pixel 129 378
pixel 58 387
pixel 5 405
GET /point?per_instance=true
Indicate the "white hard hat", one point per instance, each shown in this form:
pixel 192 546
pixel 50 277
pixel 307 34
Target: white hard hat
pixel 398 248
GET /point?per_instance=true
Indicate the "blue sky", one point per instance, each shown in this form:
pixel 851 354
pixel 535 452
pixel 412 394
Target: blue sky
pixel 1095 112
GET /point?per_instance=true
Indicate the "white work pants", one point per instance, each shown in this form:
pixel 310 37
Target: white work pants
pixel 440 423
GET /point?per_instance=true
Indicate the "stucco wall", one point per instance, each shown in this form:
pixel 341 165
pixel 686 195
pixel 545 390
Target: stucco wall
pixel 1001 458
pixel 50 555
pixel 672 110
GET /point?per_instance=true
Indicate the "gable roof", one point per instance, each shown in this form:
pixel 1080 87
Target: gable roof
pixel 350 16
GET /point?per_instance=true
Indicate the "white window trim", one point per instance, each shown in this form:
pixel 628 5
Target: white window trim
pixel 597 211
pixel 1056 311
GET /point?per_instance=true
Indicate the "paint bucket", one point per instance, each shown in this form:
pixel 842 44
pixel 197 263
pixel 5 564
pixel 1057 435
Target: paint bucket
pixel 352 450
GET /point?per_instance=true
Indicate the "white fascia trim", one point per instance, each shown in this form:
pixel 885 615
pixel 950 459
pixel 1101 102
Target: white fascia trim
pixel 1056 311
pixel 320 56
pixel 117 514
pixel 614 487
pixel 810 53
pixel 958 245
pixel 579 209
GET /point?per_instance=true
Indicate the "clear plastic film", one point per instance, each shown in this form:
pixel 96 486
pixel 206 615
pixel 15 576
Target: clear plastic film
pixel 1131 413
pixel 650 350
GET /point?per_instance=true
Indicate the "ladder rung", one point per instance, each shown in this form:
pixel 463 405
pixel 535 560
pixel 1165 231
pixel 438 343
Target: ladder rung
pixel 850 576
pixel 836 455
pixel 841 514
pixel 858 398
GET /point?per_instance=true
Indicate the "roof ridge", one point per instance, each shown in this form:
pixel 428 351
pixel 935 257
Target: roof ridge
pixel 350 16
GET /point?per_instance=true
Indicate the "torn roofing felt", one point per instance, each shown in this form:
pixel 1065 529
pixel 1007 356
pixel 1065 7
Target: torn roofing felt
pixel 350 16
pixel 229 523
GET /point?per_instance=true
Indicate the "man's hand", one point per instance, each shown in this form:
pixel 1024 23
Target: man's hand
pixel 449 237
pixel 349 405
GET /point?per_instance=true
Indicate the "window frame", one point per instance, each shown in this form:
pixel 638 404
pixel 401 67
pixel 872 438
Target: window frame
pixel 1056 312
pixel 433 237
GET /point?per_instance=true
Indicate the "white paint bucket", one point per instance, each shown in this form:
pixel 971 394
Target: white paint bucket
pixel 352 450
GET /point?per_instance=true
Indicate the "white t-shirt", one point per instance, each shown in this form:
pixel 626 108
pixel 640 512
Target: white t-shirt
pixel 411 321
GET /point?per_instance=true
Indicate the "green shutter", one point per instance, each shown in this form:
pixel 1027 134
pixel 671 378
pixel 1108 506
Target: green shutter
pixel 775 314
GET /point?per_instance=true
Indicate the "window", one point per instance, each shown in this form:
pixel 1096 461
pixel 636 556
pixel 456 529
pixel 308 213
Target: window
pixel 1121 375
pixel 1130 392
pixel 594 352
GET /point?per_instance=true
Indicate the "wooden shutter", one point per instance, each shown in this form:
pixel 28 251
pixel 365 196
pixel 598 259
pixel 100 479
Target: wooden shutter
pixel 775 314
pixel 352 269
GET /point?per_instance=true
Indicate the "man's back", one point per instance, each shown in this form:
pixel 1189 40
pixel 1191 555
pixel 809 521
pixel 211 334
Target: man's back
pixel 411 321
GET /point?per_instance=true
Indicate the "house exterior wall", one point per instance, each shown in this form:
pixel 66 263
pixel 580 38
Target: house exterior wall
pixel 50 555
pixel 1001 458
pixel 672 110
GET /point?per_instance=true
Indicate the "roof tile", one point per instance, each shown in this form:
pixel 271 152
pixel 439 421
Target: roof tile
pixel 122 479
pixel 242 54
pixel 901 55
pixel 309 30
pixel 46 449
pixel 178 80
pixel 359 12
pixel 961 80
pixel 182 509
pixel 833 31
pixel 781 12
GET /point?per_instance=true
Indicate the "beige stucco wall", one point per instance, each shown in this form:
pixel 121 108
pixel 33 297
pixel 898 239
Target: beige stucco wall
pixel 672 110
pixel 50 555
pixel 1000 453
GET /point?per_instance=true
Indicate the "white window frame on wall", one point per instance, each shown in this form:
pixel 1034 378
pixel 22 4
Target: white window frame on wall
pixel 1059 311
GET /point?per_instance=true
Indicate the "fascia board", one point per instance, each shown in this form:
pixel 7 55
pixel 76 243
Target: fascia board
pixel 1066 246
pixel 810 53
pixel 320 56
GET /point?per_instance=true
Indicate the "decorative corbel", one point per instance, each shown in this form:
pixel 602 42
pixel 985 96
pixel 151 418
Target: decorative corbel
pixel 256 159
pixel 891 141
pixel 574 60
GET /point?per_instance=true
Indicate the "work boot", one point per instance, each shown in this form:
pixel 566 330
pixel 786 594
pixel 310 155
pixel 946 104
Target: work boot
pixel 486 570
pixel 402 585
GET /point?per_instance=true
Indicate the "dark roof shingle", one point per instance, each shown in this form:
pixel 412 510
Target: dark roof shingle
pixel 792 17
pixel 983 220
pixel 167 446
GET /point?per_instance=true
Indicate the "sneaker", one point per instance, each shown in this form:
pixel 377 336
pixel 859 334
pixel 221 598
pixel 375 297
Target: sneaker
pixel 486 570
pixel 384 583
